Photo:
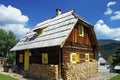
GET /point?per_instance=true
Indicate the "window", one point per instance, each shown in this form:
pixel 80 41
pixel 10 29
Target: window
pixel 40 31
pixel 74 58
pixel 87 57
pixel 44 58
pixel 81 30
pixel 102 64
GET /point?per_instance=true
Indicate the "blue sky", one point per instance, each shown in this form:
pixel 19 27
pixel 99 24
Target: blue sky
pixel 21 15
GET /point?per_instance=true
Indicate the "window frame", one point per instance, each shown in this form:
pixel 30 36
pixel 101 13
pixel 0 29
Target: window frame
pixel 76 57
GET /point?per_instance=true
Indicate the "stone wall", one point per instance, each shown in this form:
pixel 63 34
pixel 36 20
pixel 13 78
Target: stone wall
pixel 81 71
pixel 71 71
pixel 44 72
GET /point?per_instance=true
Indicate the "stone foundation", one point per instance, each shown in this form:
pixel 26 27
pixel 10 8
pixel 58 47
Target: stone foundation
pixel 71 71
pixel 44 72
pixel 81 71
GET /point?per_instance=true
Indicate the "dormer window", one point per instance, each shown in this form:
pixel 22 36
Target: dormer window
pixel 81 30
pixel 40 31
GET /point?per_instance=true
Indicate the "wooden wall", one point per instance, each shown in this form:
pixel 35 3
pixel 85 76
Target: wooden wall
pixel 53 54
pixel 78 44
pixel 36 56
pixel 18 63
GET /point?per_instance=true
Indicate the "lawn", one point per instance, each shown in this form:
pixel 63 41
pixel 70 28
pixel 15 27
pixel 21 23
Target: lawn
pixel 116 77
pixel 5 77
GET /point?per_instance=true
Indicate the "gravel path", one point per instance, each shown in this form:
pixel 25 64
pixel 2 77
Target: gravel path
pixel 104 76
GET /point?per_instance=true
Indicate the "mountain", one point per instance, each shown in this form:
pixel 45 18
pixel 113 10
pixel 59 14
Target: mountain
pixel 108 47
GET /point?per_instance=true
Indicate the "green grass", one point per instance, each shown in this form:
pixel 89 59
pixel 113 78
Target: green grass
pixel 116 77
pixel 5 77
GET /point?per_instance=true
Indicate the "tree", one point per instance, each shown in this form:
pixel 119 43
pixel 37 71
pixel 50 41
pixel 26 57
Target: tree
pixel 11 41
pixel 7 41
pixel 3 38
pixel 114 59
pixel 110 59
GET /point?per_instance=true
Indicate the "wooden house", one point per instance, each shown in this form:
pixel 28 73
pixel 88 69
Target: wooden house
pixel 3 61
pixel 65 38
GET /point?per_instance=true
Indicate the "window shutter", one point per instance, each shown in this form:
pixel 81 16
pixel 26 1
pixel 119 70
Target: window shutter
pixel 21 58
pixel 87 58
pixel 44 58
pixel 77 58
pixel 81 30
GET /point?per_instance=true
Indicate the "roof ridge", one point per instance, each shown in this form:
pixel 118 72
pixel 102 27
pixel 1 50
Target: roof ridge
pixel 81 18
pixel 51 19
pixel 72 11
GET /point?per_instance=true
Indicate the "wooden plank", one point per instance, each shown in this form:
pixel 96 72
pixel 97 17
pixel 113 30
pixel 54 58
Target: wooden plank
pixel 77 45
pixel 72 49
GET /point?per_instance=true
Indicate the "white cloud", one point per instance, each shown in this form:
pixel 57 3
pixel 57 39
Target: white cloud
pixel 108 11
pixel 12 15
pixel 116 15
pixel 104 30
pixel 18 29
pixel 111 3
pixel 12 19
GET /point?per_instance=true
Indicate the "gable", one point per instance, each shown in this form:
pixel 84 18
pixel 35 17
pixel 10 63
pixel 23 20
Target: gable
pixel 87 38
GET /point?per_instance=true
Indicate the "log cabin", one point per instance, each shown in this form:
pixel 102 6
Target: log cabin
pixel 65 38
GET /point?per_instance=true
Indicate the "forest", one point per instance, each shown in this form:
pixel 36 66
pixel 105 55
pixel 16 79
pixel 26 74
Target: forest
pixel 110 50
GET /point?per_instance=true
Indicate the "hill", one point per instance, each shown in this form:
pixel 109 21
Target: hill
pixel 108 47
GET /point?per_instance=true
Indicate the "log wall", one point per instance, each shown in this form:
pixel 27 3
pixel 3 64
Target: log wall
pixel 78 44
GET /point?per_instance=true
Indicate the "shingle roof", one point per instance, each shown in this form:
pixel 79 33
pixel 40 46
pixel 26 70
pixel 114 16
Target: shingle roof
pixel 102 60
pixel 117 67
pixel 57 30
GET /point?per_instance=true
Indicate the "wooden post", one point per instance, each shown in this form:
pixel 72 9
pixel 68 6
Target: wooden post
pixel 26 60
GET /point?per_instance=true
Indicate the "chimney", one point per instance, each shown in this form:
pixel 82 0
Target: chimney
pixel 58 11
